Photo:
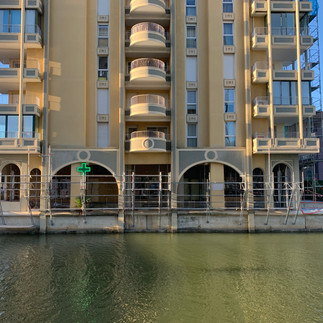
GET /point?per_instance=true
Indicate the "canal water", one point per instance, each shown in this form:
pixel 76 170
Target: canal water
pixel 162 278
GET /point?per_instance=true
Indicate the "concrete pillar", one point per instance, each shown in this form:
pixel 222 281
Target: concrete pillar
pixel 251 222
pixel 121 217
pixel 173 226
pixel 75 184
pixel 42 223
pixel 24 180
pixel 217 185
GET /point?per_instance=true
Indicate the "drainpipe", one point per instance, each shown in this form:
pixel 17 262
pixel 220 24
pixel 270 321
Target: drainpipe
pixel 299 74
pixel 21 70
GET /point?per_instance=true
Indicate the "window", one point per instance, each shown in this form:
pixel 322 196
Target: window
pixel 9 126
pixel 283 23
pixel 306 92
pixel 192 135
pixel 103 7
pixel 191 102
pixel 191 69
pixel 228 67
pixel 10 21
pixel 228 34
pixel 190 37
pixel 229 100
pixel 227 5
pixel 103 68
pixel 230 134
pixel 159 129
pixel 33 22
pixel 28 130
pixel 284 92
pixel 103 34
pixel 190 8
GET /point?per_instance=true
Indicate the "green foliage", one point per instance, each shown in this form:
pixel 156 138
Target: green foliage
pixel 78 201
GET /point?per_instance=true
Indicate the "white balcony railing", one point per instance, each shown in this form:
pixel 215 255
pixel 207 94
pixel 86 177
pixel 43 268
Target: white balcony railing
pixel 148 26
pixel 14 99
pixel 147 105
pixel 148 34
pixel 147 70
pixel 148 134
pixel 150 99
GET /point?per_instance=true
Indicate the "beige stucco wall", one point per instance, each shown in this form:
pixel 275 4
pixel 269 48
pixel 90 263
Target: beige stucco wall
pixel 67 75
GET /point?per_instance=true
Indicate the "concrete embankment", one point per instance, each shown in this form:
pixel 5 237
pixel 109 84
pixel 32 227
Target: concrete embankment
pixel 233 221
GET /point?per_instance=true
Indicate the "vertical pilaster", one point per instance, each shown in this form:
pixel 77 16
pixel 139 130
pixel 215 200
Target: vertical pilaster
pixel 121 155
pixel 21 70
pixel 299 72
pixel 270 73
pixel 248 104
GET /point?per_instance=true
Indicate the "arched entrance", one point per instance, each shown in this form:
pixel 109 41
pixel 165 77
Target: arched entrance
pixel 232 188
pixel 10 179
pixel 258 188
pixel 34 188
pixel 192 189
pixel 101 188
pixel 209 185
pixel 282 183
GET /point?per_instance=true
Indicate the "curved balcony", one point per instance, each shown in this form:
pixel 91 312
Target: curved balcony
pixel 147 141
pixel 147 34
pixel 147 105
pixel 147 7
pixel 147 70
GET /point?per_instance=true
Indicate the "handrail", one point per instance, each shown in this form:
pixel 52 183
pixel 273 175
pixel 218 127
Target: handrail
pixel 147 98
pixel 14 134
pixel 260 65
pixel 14 99
pixel 261 100
pixel 148 133
pixel 16 28
pixel 148 26
pixel 148 62
pixel 281 31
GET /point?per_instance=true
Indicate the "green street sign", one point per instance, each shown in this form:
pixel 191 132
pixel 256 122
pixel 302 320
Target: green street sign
pixel 83 169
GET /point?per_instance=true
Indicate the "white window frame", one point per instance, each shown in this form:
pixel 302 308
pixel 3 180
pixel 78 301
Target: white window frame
pixel 226 2
pixel 103 71
pixel 228 35
pixel 229 102
pixel 191 137
pixel 230 135
pixel 189 6
pixel 190 38
pixel 103 35
pixel 191 104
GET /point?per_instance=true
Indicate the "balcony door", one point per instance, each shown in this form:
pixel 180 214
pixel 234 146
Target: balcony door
pixel 283 23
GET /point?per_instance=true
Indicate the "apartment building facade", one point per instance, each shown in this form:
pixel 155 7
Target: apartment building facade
pixel 174 102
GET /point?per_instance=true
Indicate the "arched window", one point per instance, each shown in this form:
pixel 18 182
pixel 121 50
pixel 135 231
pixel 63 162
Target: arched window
pixel 10 183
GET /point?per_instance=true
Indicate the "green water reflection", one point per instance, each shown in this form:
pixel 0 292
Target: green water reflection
pixel 162 278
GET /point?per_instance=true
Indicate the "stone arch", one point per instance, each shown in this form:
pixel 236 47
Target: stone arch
pixel 194 191
pixel 101 187
pixel 201 162
pixel 88 162
pixel 10 182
